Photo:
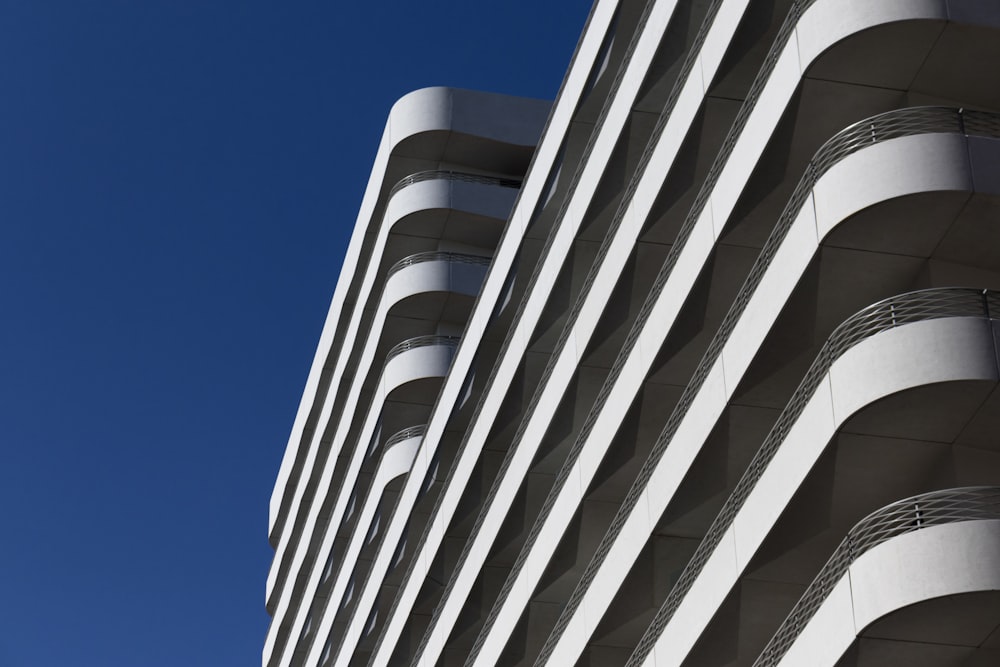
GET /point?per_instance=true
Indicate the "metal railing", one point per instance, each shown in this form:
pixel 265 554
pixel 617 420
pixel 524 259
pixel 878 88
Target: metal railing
pixel 936 508
pixel 533 279
pixel 887 314
pixel 330 653
pixel 886 126
pixel 700 202
pixel 446 175
pixel 405 434
pixel 392 441
pixel 685 70
pixel 697 207
pixel 421 341
pixel 669 105
pixel 336 570
pixel 438 256
pixel 430 175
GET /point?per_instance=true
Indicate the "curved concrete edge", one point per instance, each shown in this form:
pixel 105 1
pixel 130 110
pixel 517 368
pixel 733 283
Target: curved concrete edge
pixel 490 201
pixel 499 117
pixel 826 23
pixel 475 198
pixel 437 195
pixel 433 276
pixel 417 363
pixel 421 362
pixel 438 275
pixel 726 21
pixel 962 556
pixel 587 185
pixel 904 166
pixel 913 355
pixel 791 67
pixel 545 156
pixel 664 152
pixel 502 118
pixel 912 160
pixel 394 463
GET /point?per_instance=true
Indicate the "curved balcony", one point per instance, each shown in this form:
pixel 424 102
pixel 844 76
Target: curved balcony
pixel 780 81
pixel 603 141
pixel 419 291
pixel 889 573
pixel 914 144
pixel 459 207
pixel 413 360
pixel 451 206
pixel 435 286
pixel 922 341
pixel 431 364
pixel 449 175
pixel 583 184
pixel 445 284
pixel 395 461
pixel 411 374
pixel 545 155
pixel 440 124
pixel 546 151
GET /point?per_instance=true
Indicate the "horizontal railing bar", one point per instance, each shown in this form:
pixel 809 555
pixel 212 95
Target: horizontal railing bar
pixel 886 314
pixel 905 516
pixel 405 434
pixel 421 341
pixel 444 175
pixel 438 256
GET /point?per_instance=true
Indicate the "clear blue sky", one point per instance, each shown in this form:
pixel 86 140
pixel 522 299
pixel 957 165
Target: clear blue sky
pixel 178 179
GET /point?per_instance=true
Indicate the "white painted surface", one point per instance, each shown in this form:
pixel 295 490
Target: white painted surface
pixel 545 159
pixel 499 117
pixel 889 362
pixel 933 562
pixel 426 277
pixel 407 366
pixel 774 97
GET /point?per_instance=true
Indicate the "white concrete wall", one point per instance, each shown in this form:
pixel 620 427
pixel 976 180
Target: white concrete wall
pixel 426 195
pixel 910 356
pixel 544 160
pixel 408 366
pixel 792 64
pixel 498 117
pixel 909 569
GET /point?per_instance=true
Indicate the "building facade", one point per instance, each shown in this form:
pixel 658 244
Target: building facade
pixel 697 365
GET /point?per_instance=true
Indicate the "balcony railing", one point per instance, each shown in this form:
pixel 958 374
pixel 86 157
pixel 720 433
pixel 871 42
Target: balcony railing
pixel 883 127
pixel 887 314
pixel 336 568
pixel 435 256
pixel 889 125
pixel 442 175
pixel 405 434
pixel 533 279
pixel 421 341
pixel 880 128
pixel 906 516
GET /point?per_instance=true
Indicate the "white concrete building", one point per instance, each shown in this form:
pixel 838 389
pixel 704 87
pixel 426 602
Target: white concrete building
pixel 696 366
